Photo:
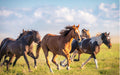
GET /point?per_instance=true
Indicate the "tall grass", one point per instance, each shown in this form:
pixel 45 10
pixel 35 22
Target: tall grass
pixel 108 62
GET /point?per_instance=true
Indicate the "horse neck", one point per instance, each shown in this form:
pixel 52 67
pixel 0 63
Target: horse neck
pixel 69 38
pixel 26 41
pixel 99 40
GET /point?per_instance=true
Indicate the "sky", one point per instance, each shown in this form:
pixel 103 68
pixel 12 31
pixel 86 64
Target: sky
pixel 51 16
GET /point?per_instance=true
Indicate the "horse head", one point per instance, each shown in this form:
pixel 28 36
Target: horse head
pixel 36 36
pixel 22 34
pixel 76 33
pixel 106 39
pixel 85 33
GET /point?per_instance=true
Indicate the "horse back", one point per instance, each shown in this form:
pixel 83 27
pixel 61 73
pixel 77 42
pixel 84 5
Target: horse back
pixel 88 47
pixel 53 43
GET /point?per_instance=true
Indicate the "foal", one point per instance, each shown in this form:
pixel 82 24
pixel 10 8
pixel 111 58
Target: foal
pixel 60 44
pixel 92 46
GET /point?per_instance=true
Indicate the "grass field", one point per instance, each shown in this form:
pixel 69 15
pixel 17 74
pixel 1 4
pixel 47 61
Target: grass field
pixel 108 62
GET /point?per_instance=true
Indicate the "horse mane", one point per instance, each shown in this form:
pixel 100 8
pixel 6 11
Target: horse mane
pixel 21 34
pixel 98 34
pixel 66 30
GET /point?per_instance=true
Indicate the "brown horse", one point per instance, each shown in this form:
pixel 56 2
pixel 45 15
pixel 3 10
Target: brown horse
pixel 92 46
pixel 84 34
pixel 21 47
pixel 60 44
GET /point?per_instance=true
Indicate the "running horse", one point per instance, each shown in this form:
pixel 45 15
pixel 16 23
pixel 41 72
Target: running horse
pixel 30 53
pixel 84 34
pixel 21 47
pixel 60 44
pixel 92 46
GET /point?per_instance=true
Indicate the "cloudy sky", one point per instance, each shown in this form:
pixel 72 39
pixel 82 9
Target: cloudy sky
pixel 50 16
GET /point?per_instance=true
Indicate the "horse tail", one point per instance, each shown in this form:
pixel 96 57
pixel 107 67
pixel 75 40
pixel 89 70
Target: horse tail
pixel 38 49
pixel 2 47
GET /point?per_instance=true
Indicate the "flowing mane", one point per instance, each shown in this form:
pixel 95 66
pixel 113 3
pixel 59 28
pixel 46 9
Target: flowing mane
pixel 66 30
pixel 22 34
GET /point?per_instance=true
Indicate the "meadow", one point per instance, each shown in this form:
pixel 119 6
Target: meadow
pixel 108 63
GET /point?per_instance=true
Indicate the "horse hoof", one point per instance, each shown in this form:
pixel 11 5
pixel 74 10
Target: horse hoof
pixel 97 67
pixel 30 71
pixel 61 63
pixel 68 68
pixel 35 67
pixel 58 68
pixel 76 60
pixel 51 70
pixel 81 67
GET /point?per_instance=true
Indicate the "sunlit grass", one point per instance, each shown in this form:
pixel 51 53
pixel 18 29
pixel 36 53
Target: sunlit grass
pixel 108 62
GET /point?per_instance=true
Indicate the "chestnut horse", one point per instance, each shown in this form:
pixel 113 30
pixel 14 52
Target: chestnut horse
pixel 21 46
pixel 92 46
pixel 84 34
pixel 60 44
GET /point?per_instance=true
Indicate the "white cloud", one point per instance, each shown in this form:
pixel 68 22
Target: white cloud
pixel 38 13
pixel 86 17
pixel 108 10
pixel 64 15
pixel 5 12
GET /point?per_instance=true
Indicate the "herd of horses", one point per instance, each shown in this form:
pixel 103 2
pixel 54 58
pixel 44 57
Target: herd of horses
pixel 68 42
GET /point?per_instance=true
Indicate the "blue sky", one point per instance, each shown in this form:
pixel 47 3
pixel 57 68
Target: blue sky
pixel 50 16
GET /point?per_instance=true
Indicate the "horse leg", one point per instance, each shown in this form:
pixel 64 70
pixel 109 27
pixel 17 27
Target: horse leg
pixel 5 61
pixel 79 54
pixel 95 60
pixel 86 61
pixel 61 63
pixel 68 61
pixel 45 50
pixel 53 60
pixel 78 57
pixel 38 50
pixel 10 60
pixel 15 61
pixel 25 57
pixel 74 54
pixel 32 55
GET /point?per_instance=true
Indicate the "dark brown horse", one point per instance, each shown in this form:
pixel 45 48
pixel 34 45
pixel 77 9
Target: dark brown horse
pixel 92 46
pixel 60 44
pixel 30 53
pixel 21 47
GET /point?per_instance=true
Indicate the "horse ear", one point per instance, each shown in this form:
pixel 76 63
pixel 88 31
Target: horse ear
pixel 78 26
pixel 73 26
pixel 23 30
pixel 105 33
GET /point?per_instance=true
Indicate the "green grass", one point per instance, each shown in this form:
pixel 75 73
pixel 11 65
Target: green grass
pixel 108 62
